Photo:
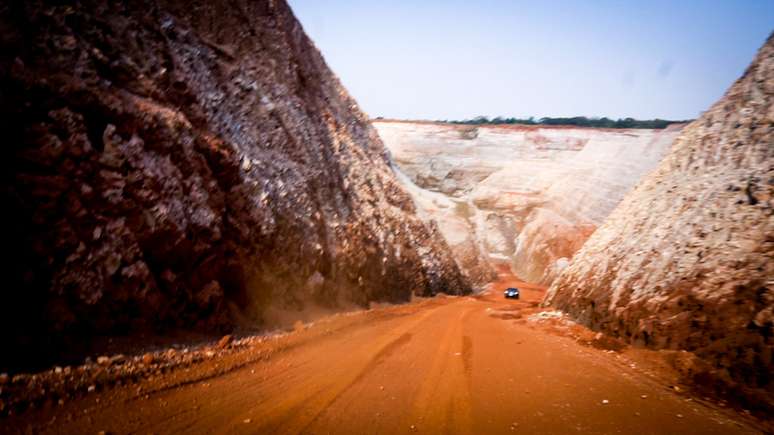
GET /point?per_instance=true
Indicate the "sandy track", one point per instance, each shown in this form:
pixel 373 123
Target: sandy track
pixel 447 365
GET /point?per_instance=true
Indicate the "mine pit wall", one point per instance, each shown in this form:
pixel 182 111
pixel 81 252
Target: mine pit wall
pixel 185 164
pixel 686 261
pixel 456 220
pixel 528 196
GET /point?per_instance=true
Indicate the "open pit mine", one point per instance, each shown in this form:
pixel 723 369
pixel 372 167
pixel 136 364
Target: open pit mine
pixel 205 234
pixel 526 196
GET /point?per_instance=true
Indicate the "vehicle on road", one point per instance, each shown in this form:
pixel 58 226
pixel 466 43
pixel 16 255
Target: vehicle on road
pixel 511 293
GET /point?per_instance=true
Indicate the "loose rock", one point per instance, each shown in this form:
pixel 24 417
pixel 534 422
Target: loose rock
pixel 225 341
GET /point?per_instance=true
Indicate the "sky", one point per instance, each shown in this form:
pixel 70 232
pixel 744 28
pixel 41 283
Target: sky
pixel 453 59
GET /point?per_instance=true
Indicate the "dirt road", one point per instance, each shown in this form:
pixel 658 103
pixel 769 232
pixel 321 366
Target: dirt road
pixel 443 365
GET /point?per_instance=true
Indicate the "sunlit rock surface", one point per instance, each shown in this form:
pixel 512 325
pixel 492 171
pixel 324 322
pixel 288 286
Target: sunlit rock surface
pixel 176 163
pixel 687 260
pixel 529 196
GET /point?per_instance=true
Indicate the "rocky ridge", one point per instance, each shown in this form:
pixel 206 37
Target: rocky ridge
pixel 687 260
pixel 189 164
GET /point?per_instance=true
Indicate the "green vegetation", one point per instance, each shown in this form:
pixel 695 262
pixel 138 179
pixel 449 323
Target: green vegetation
pixel 579 121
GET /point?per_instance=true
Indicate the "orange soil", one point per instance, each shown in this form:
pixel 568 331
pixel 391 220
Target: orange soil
pixel 441 365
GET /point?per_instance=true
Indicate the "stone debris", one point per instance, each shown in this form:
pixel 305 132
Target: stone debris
pixel 23 390
pixel 225 341
pixel 546 316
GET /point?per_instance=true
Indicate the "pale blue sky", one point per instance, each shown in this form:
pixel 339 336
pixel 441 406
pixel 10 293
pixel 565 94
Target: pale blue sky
pixel 453 59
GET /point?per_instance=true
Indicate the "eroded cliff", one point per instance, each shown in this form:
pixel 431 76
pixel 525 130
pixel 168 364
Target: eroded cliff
pixel 687 260
pixel 174 163
pixel 528 196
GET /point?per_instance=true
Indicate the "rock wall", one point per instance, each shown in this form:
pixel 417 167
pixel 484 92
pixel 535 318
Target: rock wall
pixel 529 196
pixel 173 163
pixel 457 222
pixel 687 260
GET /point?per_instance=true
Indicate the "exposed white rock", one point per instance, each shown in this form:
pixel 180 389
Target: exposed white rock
pixel 524 194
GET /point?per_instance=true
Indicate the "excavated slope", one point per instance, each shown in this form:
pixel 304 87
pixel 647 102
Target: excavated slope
pixel 686 261
pixel 175 163
pixel 529 196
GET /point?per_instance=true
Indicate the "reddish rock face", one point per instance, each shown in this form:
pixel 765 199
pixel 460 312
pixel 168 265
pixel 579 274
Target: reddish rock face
pixel 687 260
pixel 175 163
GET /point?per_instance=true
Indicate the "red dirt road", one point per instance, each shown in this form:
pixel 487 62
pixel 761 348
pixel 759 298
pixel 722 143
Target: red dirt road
pixel 443 365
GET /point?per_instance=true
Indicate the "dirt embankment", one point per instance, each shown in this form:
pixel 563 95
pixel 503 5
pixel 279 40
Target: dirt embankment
pixel 687 260
pixel 187 164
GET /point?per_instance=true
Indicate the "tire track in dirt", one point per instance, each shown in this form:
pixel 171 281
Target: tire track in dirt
pixel 450 365
pixel 377 360
pixel 302 407
pixel 467 359
pixel 444 398
pixel 307 382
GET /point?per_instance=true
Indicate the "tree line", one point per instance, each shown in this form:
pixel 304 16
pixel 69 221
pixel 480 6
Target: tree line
pixel 578 121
